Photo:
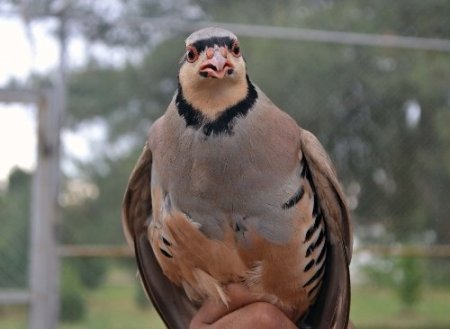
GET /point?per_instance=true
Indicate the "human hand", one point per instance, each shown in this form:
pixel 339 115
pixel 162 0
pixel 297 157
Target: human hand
pixel 244 311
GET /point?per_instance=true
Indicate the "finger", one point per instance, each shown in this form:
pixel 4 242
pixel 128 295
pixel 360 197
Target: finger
pixel 259 315
pixel 241 296
pixel 211 311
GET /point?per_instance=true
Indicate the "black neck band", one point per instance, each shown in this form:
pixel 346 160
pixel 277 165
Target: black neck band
pixel 224 123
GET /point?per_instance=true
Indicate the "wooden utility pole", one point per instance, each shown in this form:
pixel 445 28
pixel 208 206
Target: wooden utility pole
pixel 45 265
pixel 43 295
pixel 44 270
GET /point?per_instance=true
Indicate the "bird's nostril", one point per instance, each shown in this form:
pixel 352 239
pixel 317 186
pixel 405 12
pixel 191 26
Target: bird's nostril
pixel 223 52
pixel 209 53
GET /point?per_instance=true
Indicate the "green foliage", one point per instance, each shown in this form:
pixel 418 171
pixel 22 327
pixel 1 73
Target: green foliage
pixel 411 279
pixel 379 272
pixel 97 221
pixel 14 234
pixel 72 305
pixel 438 277
pixel 404 275
pixel 91 271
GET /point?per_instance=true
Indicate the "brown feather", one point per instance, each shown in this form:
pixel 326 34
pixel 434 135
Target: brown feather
pixel 202 265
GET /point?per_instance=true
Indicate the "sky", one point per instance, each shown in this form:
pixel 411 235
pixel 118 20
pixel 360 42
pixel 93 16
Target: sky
pixel 22 57
pixel 38 53
pixel 17 61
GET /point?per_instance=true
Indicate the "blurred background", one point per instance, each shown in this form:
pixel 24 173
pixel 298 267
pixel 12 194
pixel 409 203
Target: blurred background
pixel 81 81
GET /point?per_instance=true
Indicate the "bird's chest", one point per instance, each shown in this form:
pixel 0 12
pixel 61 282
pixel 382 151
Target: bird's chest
pixel 219 180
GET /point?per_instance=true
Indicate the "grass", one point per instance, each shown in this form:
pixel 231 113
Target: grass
pixel 375 308
pixel 13 317
pixel 113 306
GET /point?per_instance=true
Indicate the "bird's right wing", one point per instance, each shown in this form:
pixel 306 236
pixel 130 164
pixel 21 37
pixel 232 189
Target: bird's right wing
pixel 170 301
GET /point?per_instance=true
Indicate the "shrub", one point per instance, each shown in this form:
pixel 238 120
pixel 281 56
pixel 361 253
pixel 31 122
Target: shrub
pixel 73 307
pixel 410 280
pixel 92 271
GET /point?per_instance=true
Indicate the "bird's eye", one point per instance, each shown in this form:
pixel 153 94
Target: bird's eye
pixel 235 50
pixel 191 54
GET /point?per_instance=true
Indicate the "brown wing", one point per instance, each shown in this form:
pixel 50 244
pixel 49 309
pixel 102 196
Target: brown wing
pixel 171 303
pixel 331 310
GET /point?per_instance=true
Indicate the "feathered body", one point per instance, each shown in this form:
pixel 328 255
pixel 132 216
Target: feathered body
pixel 230 189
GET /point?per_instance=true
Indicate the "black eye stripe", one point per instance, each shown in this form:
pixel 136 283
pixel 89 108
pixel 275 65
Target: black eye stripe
pixel 201 45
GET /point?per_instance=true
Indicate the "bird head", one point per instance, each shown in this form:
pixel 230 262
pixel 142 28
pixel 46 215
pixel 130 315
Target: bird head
pixel 212 53
pixel 213 72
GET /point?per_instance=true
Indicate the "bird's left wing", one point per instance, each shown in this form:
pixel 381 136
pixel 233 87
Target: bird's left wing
pixel 331 310
pixel 170 301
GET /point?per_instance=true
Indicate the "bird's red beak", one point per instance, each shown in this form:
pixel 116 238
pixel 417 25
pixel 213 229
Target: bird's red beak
pixel 216 64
